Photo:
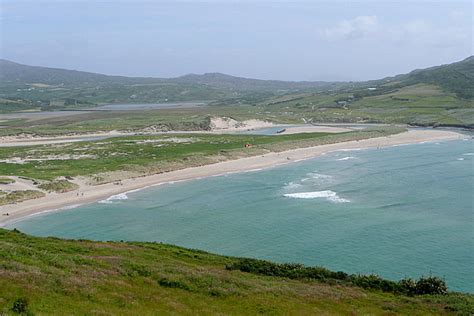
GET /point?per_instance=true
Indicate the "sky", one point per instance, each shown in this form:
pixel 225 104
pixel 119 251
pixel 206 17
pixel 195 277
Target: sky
pixel 284 40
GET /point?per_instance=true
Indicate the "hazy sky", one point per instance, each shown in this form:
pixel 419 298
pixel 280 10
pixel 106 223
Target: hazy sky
pixel 292 40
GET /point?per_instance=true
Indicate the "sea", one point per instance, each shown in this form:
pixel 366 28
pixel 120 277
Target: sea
pixel 402 211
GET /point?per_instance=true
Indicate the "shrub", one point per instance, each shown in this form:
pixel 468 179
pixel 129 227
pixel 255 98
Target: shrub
pixel 137 270
pixel 408 285
pixel 20 306
pixel 373 281
pixel 431 285
pixel 175 284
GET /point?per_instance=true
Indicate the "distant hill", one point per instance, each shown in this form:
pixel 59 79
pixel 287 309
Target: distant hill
pixel 219 80
pixel 14 73
pixel 457 78
pixel 24 87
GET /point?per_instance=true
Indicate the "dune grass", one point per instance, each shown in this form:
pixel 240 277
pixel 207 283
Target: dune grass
pixel 58 186
pixel 4 180
pixel 19 196
pixel 146 155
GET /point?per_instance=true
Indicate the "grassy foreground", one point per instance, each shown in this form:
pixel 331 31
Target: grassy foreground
pixel 45 276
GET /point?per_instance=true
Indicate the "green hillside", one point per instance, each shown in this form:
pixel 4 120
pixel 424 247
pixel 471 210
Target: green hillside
pixel 45 276
pixel 437 96
pixel 457 77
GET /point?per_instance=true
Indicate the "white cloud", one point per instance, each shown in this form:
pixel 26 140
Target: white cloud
pixel 358 27
pixel 457 15
pixel 413 32
pixel 423 33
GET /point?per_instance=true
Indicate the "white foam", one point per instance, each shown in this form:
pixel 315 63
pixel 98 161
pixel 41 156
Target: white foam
pixel 468 154
pixel 351 149
pixel 327 194
pixel 315 175
pixel 460 159
pixel 292 185
pixel 346 158
pixel 109 200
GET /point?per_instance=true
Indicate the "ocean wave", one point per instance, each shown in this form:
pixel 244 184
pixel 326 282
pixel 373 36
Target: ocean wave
pixel 346 158
pixel 460 159
pixel 468 154
pixel 315 175
pixel 111 199
pixel 327 194
pixel 292 185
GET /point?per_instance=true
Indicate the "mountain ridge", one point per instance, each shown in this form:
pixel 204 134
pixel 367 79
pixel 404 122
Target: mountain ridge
pixel 457 72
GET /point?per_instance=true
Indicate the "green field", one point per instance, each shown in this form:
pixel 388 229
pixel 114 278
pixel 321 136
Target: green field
pixel 45 276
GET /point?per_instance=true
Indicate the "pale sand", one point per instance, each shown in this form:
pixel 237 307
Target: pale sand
pixel 100 192
pixel 19 184
pixel 229 124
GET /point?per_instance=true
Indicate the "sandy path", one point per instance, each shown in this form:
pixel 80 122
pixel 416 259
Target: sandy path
pixel 88 194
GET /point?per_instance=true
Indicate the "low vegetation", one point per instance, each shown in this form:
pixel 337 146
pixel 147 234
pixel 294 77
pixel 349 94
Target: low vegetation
pixel 6 180
pixel 19 196
pixel 58 186
pixel 424 285
pixel 54 276
pixel 144 155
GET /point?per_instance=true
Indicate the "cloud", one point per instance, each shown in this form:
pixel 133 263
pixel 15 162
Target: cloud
pixel 457 15
pixel 358 27
pixel 420 32
pixel 416 32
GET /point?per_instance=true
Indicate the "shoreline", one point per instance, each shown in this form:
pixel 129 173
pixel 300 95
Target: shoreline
pixel 87 194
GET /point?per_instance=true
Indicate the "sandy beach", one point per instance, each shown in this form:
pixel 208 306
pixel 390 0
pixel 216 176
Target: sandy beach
pixel 88 194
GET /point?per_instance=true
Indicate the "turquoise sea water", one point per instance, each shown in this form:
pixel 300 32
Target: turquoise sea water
pixel 398 212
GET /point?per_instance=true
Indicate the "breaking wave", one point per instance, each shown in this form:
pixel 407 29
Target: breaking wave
pixel 327 194
pixel 110 200
pixel 292 185
pixel 346 158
